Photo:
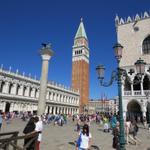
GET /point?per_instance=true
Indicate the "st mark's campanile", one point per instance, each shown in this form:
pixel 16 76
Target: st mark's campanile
pixel 80 66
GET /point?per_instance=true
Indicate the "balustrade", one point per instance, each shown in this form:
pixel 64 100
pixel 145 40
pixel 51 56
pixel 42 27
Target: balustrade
pixel 136 93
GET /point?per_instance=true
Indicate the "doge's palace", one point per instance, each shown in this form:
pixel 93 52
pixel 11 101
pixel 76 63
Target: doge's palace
pixel 133 34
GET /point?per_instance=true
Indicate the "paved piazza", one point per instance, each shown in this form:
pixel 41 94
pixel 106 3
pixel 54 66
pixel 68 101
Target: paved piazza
pixel 57 138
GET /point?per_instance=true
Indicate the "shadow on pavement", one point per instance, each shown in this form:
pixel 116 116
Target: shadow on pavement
pixel 93 147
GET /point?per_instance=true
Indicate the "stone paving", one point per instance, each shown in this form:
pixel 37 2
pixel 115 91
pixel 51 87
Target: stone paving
pixel 58 138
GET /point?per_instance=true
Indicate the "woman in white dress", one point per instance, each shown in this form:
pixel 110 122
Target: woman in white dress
pixel 85 137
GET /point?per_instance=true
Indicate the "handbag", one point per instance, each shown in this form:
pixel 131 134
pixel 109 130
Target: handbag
pixel 79 141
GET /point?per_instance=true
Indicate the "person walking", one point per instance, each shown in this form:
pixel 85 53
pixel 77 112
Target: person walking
pixel 29 128
pixel 144 122
pixel 106 124
pixel 133 130
pixel 84 140
pixel 1 121
pixel 115 143
pixel 129 129
pixel 113 123
pixel 38 128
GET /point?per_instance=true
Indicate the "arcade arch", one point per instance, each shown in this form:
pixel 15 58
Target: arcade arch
pixel 134 110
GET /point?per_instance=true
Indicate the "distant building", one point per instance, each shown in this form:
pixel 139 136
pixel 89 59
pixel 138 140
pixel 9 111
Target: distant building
pixel 103 106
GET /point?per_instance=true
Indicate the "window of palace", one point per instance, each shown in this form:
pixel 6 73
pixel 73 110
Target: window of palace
pixel 136 87
pixel 127 86
pixel 146 45
pixel 146 83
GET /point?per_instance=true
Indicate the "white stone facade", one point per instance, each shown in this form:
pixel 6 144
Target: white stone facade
pixel 132 39
pixel 19 93
pixel 131 34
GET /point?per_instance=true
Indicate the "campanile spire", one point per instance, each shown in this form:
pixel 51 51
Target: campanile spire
pixel 81 31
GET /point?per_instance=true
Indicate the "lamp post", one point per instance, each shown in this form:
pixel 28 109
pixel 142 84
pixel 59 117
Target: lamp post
pixel 116 76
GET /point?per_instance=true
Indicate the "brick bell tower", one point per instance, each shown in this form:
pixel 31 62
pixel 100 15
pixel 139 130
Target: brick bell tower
pixel 80 66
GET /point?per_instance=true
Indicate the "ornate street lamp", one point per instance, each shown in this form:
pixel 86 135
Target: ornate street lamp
pixel 140 66
pixel 116 76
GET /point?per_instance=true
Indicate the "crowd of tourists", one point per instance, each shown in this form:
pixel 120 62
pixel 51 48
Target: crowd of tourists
pixel 109 123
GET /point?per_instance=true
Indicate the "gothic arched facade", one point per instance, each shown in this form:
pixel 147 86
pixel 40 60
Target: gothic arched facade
pixel 134 36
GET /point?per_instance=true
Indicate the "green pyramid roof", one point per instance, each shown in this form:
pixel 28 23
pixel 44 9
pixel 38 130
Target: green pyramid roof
pixel 81 31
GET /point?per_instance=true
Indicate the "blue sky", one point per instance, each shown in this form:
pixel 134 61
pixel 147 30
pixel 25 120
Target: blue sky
pixel 25 24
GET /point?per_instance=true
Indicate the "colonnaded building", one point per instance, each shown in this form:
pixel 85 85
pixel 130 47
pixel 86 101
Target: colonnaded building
pixel 19 93
pixel 134 35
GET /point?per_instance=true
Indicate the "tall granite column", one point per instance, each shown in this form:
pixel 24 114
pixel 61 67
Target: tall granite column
pixel 46 54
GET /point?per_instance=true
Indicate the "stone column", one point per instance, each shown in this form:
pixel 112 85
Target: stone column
pixel 144 113
pixel 61 99
pixel 20 90
pixel 143 109
pixel 6 87
pixel 54 110
pixel 50 109
pixel 67 110
pixel 61 110
pixel 14 89
pixel 4 105
pixel 46 54
pixel 55 97
pixel 47 94
pixel 27 91
pixel 1 105
pixel 58 110
pixel 142 91
pixel 33 92
pixel 132 92
pixel 58 98
pixel 46 110
pixel 51 96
